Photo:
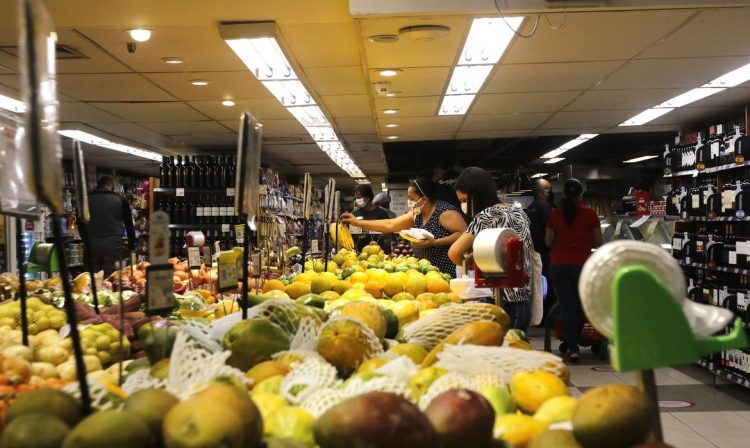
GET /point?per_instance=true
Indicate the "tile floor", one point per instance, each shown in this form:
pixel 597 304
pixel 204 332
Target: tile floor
pixel 717 417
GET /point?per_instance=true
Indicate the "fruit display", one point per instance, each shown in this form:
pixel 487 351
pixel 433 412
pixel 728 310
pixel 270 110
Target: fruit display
pixel 403 248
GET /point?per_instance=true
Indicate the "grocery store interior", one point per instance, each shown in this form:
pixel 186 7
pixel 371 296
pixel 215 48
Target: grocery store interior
pixel 290 197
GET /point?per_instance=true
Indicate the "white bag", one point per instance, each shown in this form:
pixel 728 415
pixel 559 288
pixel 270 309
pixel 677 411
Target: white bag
pixel 537 294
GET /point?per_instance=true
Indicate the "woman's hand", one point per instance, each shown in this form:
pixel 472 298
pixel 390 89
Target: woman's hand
pixel 425 243
pixel 348 218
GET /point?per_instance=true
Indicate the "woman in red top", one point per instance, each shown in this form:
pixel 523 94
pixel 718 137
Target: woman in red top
pixel 572 231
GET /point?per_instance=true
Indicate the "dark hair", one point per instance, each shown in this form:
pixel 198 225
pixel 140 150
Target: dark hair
pixel 106 181
pixel 572 189
pixel 478 184
pixel 365 190
pixel 425 186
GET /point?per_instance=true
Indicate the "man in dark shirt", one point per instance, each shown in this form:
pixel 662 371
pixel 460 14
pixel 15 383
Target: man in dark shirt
pixel 364 207
pixel 110 212
pixel 538 212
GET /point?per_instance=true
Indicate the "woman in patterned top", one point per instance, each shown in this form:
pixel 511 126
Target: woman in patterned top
pixel 439 218
pixel 478 194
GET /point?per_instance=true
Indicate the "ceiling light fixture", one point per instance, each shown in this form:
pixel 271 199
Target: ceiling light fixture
pixel 728 80
pixel 172 60
pixel 140 34
pixel 258 46
pixel 228 103
pixel 12 104
pixel 639 159
pixel 384 39
pixel 538 175
pixel 389 73
pixel 199 82
pixel 555 160
pixel 486 43
pixel 392 137
pixel 362 181
pixel 384 186
pixel 390 111
pixel 390 94
pixel 567 146
pixel 391 125
pixel 91 139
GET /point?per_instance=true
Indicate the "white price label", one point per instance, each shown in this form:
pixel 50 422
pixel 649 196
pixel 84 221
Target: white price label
pixel 676 244
pixel 314 245
pixel 207 256
pixel 695 200
pixel 180 192
pixel 158 241
pixel 640 221
pixel 230 191
pixel 225 228
pixel 733 258
pixel 228 271
pixel 194 257
pixel 239 233
pixel 159 294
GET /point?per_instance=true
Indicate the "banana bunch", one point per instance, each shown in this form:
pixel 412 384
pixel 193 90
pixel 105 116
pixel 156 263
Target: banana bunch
pixel 345 237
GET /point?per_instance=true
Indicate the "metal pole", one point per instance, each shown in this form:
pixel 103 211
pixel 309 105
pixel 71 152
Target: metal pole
pixel 89 261
pixel 647 384
pixel 21 251
pixel 245 257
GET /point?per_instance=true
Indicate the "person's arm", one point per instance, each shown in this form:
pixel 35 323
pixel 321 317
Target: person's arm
pixel 127 220
pixel 451 221
pixel 460 247
pixel 403 222
pixel 549 237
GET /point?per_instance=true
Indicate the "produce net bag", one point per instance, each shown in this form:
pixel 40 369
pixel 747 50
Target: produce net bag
pixel 308 377
pixel 430 330
pixel 501 361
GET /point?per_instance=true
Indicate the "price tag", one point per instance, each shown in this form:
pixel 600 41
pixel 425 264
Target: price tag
pixel 677 244
pixel 158 240
pixel 225 228
pixel 640 221
pixel 159 295
pixel 207 256
pixel 733 258
pixel 230 191
pixel 228 271
pixel 180 192
pixel 194 257
pixel 314 245
pixel 239 232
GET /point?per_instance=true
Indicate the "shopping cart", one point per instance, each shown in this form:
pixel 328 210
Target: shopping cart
pixel 589 336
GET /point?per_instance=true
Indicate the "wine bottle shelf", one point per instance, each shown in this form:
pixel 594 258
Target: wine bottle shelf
pixel 710 170
pixel 195 190
pixel 717 219
pixel 738 271
pixel 197 226
pixel 742 380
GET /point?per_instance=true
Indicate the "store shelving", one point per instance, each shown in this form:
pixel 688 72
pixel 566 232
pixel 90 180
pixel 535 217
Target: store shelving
pixel 725 374
pixel 197 226
pixel 227 191
pixel 737 271
pixel 710 170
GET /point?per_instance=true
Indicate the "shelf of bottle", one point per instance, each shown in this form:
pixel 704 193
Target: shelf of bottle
pixel 738 271
pixel 170 190
pixel 292 198
pixel 710 170
pixel 198 226
pixel 742 380
pixel 717 219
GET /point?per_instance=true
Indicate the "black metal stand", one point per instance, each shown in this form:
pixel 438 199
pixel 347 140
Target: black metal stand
pixel 21 255
pixel 326 247
pixel 305 243
pixel 647 384
pixel 89 261
pixel 70 310
pixel 245 278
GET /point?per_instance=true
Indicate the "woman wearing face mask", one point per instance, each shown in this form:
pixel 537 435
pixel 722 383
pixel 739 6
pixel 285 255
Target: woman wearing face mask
pixel 439 218
pixel 365 209
pixel 478 195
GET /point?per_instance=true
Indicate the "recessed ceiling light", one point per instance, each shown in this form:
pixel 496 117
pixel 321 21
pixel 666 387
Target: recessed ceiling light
pixel 392 137
pixel 140 34
pixel 639 159
pixel 390 111
pixel 424 32
pixel 391 125
pixel 199 82
pixel 555 160
pixel 389 72
pixel 228 103
pixel 383 39
pixel 390 95
pixel 172 60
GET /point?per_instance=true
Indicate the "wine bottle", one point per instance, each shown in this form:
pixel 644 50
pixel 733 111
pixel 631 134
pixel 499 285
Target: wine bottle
pixel 179 173
pixel 215 211
pixel 216 173
pixel 163 170
pixel 188 173
pixel 231 172
pixel 169 181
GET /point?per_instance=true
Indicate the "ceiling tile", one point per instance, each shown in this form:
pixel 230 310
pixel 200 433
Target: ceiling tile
pixel 553 77
pixel 645 128
pixel 727 99
pixel 712 33
pixel 273 127
pixel 467 135
pixel 262 109
pixel 621 99
pixel 426 106
pixel 161 111
pixel 337 81
pixel 111 87
pixel 503 122
pixel 688 115
pixel 583 35
pixel 566 132
pixel 416 81
pixel 228 139
pixel 415 137
pixel 441 52
pixel 94 61
pixel 670 73
pixel 85 113
pixel 125 130
pixel 334 45
pixel 348 105
pixel 355 125
pixel 361 138
pixel 503 103
pixel 185 127
pixel 593 119
pixel 237 85
pixel 420 124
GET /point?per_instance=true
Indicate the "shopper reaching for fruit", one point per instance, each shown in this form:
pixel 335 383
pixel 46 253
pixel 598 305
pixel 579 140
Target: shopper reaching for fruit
pixel 478 195
pixel 426 212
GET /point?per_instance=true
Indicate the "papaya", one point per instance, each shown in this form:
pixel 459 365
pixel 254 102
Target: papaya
pixel 253 341
pixel 483 332
pixel 345 344
pixel 369 314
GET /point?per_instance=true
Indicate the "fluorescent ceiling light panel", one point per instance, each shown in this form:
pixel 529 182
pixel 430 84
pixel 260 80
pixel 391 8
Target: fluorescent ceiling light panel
pixel 290 93
pixel 455 104
pixel 12 104
pixel 309 116
pixel 322 133
pixel 263 57
pixel 639 159
pixel 538 175
pixel 581 139
pixel 468 79
pixel 688 97
pixel 488 39
pixel 104 143
pixel 555 160
pixel 731 79
pixel 554 153
pixel 646 116
pixel 362 181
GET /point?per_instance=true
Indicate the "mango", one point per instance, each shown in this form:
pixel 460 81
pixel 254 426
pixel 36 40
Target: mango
pixel 253 341
pixel 483 332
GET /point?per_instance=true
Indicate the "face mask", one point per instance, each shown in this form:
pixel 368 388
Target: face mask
pixel 360 203
pixel 465 208
pixel 413 206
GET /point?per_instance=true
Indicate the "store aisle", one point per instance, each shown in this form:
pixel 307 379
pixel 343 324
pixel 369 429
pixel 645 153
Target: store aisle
pixel 695 413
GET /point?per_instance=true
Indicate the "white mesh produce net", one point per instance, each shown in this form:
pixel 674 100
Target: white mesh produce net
pixel 374 347
pixel 381 383
pixel 202 334
pixel 401 368
pixel 307 377
pixel 321 400
pixel 307 334
pixel 101 398
pixel 456 380
pixel 501 361
pixel 283 312
pixel 433 328
pixel 142 379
